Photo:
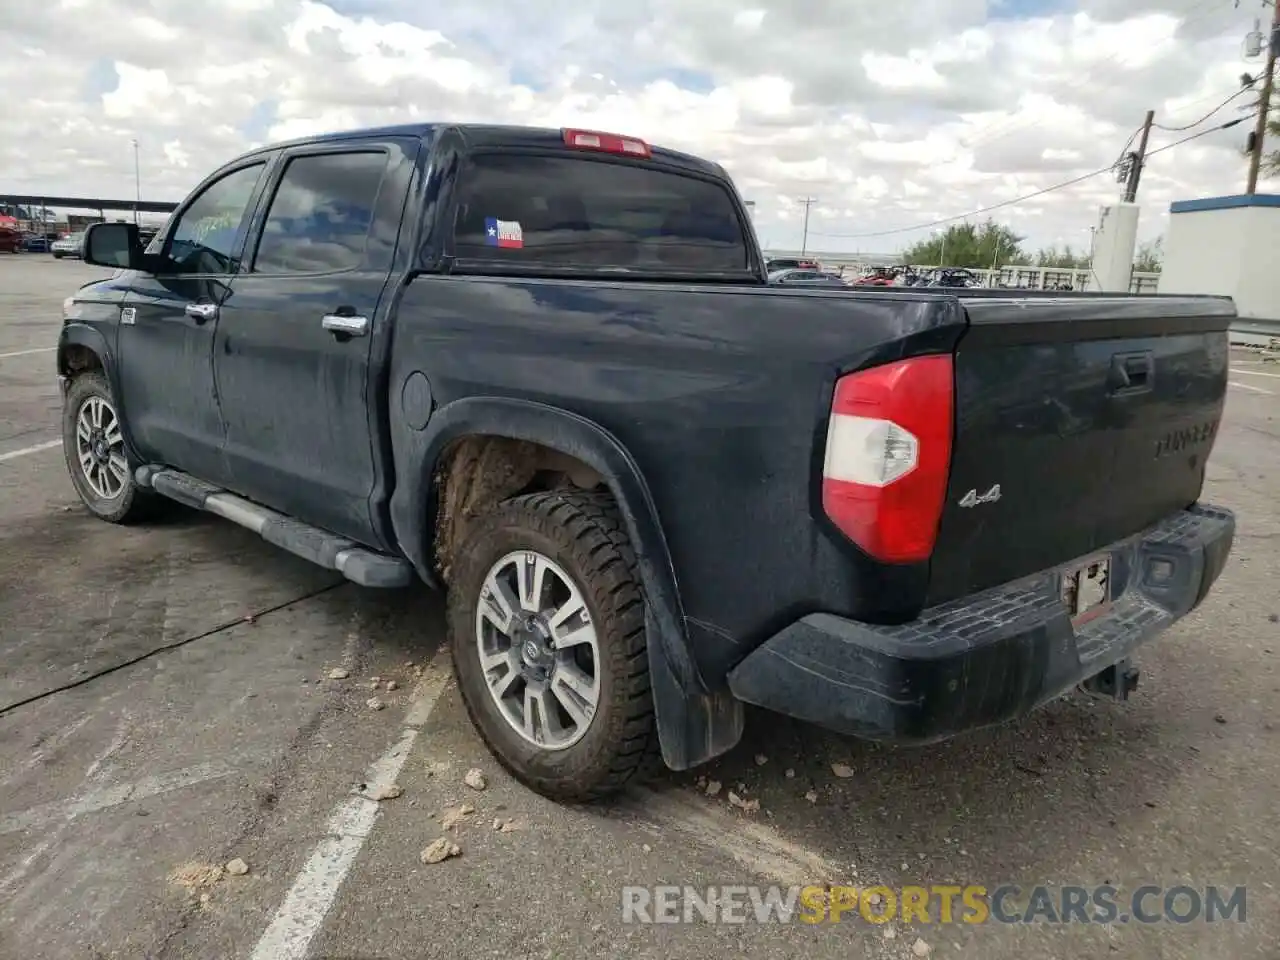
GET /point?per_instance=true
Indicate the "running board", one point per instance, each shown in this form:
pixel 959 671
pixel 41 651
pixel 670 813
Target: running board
pixel 357 563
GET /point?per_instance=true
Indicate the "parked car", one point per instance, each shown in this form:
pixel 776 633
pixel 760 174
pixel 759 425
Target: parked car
pixel 35 243
pixel 10 240
pixel 773 266
pixel 954 277
pixel 877 277
pixel 545 370
pixel 68 246
pixel 806 278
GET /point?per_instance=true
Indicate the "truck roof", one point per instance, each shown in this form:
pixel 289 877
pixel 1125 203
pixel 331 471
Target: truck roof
pixel 477 135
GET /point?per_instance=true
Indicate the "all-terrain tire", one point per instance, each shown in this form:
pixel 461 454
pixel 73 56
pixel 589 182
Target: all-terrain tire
pixel 582 532
pixel 131 503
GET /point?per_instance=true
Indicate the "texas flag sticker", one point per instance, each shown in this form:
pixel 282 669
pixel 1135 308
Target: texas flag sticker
pixel 503 233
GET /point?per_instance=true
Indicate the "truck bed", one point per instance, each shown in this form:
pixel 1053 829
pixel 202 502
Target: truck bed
pixel 721 394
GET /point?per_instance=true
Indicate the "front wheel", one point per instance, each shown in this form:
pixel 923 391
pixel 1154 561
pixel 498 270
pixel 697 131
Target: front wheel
pixel 93 445
pixel 546 625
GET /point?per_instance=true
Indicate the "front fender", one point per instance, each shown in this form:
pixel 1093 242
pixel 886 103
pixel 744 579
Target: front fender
pixel 694 724
pixel 81 334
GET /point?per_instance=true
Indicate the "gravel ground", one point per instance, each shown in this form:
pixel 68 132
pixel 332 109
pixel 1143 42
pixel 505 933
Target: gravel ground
pixel 124 793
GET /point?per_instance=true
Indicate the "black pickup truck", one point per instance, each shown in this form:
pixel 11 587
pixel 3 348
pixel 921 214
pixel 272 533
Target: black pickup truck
pixel 544 368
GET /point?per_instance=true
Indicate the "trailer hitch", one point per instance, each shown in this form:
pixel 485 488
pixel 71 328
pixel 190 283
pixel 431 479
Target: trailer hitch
pixel 1116 682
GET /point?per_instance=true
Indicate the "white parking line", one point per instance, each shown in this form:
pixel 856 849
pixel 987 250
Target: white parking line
pixel 14 454
pixel 1245 386
pixel 27 353
pixel 106 797
pixel 316 887
pixel 1258 373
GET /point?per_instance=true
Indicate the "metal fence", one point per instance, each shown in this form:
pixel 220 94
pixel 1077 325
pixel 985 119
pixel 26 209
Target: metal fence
pixel 1055 278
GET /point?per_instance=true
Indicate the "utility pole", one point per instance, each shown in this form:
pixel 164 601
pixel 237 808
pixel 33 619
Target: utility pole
pixel 1264 100
pixel 137 184
pixel 1138 160
pixel 804 241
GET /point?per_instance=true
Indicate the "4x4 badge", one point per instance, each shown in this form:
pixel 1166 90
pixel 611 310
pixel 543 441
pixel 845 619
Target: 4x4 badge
pixel 972 498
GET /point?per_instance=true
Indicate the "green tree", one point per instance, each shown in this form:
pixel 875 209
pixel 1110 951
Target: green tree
pixel 1150 256
pixel 976 246
pixel 1064 259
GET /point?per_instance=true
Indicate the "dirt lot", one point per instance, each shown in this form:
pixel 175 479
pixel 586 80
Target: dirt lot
pixel 164 708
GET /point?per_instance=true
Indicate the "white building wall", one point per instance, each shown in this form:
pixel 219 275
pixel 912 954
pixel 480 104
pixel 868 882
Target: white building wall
pixel 1228 246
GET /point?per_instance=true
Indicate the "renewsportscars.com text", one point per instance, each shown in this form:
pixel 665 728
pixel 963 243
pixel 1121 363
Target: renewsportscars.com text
pixel 938 903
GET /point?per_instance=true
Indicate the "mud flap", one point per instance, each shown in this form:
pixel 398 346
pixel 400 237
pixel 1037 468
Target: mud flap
pixel 693 725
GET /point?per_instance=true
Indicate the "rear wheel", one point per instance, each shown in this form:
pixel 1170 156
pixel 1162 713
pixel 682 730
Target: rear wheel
pixel 546 624
pixel 93 446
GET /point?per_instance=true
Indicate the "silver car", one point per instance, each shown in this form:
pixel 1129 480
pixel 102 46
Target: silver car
pixel 68 246
pixel 806 278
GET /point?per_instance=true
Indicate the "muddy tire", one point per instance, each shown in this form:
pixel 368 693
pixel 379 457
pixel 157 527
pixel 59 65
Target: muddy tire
pixel 93 447
pixel 547 630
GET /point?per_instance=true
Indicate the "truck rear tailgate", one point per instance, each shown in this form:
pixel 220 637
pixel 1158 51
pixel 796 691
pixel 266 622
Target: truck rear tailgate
pixel 1078 421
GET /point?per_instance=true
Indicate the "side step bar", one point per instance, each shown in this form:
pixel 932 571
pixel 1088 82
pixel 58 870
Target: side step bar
pixel 357 563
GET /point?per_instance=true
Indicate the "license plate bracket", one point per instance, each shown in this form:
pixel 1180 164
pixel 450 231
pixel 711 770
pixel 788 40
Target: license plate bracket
pixel 1086 589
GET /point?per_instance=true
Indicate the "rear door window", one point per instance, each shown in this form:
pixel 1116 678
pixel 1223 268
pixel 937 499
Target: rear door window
pixel 568 212
pixel 319 218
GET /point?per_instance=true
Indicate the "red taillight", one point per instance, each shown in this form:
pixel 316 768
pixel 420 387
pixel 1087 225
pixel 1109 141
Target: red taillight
pixel 606 143
pixel 884 477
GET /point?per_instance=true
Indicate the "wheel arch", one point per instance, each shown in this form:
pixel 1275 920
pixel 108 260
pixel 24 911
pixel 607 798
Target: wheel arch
pixel 83 348
pixel 694 723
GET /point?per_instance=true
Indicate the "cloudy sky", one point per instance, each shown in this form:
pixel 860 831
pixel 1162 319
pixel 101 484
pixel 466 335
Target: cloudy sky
pixel 891 115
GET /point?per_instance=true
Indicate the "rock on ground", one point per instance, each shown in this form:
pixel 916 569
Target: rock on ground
pixel 438 850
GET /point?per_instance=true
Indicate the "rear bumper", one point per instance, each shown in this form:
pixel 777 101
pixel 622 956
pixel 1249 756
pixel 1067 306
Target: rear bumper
pixel 989 657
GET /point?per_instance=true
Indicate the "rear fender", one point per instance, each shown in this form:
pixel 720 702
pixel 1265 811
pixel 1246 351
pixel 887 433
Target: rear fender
pixel 694 724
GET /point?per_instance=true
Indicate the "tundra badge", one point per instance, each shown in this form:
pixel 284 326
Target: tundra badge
pixel 973 498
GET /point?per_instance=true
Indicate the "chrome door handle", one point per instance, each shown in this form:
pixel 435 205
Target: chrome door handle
pixel 200 312
pixel 351 326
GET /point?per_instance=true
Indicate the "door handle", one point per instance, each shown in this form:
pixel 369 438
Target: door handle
pixel 201 312
pixel 349 326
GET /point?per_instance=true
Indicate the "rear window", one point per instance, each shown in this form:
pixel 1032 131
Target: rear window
pixel 577 212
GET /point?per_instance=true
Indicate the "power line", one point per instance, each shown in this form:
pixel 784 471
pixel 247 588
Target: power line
pixel 1160 126
pixel 973 213
pixel 1202 133
pixel 1029 196
pixel 1128 143
pixel 1013 124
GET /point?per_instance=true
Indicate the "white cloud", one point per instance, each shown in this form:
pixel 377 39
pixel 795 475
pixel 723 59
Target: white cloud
pixel 942 107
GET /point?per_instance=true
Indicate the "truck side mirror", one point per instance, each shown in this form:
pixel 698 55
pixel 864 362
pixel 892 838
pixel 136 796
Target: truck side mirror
pixel 116 245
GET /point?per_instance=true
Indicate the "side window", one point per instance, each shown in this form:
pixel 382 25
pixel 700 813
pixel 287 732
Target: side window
pixel 319 219
pixel 206 235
